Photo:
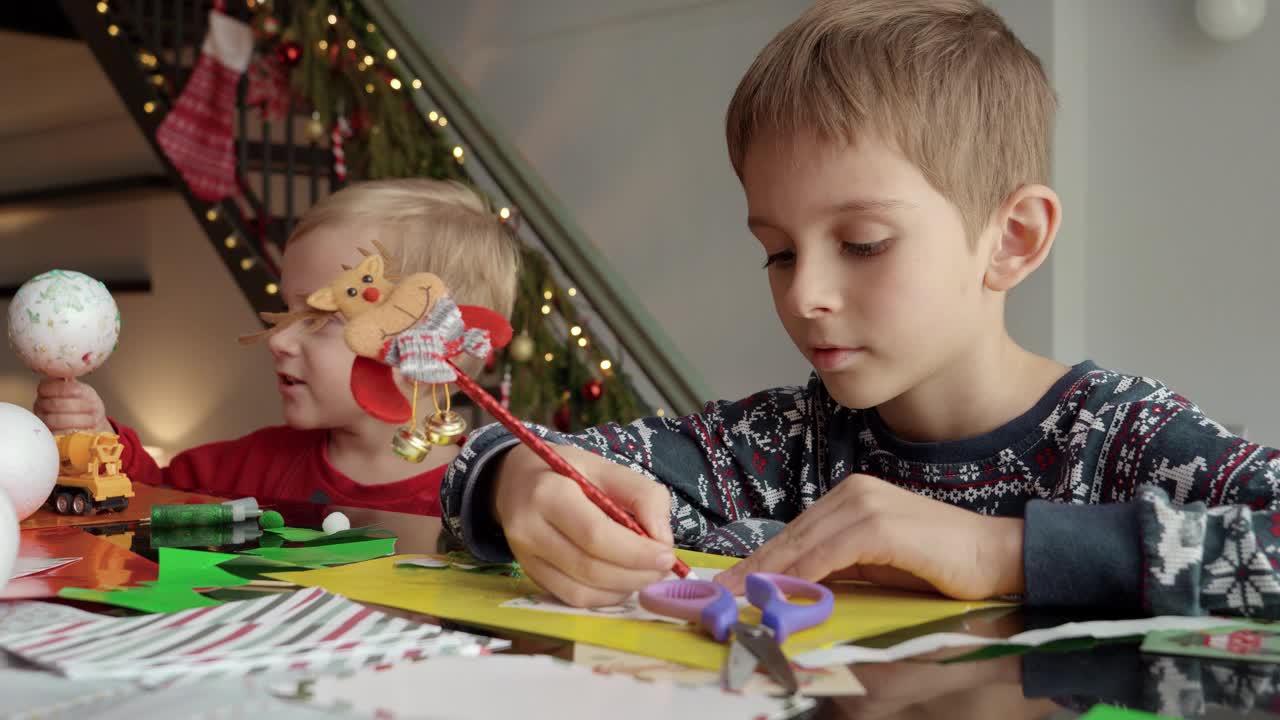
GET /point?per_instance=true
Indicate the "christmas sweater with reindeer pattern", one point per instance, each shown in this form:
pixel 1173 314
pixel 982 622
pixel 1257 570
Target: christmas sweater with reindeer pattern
pixel 1131 496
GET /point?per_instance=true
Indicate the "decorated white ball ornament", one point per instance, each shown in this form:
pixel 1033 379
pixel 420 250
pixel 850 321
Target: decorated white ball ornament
pixel 8 539
pixel 28 460
pixel 335 522
pixel 63 324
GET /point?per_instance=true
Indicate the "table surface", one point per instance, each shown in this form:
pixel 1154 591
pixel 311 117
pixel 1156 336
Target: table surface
pixel 1057 683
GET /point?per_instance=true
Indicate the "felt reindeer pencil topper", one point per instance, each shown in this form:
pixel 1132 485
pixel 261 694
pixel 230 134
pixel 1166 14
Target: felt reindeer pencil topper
pixel 413 326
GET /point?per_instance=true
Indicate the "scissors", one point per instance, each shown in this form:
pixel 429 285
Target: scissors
pixel 716 610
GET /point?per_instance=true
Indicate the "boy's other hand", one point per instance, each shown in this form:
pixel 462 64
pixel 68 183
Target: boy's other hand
pixel 567 544
pixel 67 405
pixel 868 529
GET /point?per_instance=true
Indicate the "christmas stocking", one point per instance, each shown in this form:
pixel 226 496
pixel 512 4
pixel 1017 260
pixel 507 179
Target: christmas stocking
pixel 196 135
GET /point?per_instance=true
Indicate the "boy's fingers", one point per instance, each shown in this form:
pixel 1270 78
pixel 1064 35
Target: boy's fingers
pixel 59 389
pixel 52 405
pixel 599 536
pixel 565 588
pixel 648 501
pixel 586 569
pixel 64 421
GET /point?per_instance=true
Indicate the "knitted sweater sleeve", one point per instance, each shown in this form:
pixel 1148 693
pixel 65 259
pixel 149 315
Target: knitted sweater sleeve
pixel 1168 511
pixel 736 471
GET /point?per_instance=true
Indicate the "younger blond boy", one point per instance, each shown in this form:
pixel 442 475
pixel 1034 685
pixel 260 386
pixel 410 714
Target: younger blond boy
pixel 330 451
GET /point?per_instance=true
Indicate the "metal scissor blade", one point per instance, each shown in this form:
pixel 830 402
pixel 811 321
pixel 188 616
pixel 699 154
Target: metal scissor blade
pixel 754 645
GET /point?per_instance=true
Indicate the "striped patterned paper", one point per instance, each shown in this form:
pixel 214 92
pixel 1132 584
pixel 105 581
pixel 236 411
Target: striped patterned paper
pixel 307 630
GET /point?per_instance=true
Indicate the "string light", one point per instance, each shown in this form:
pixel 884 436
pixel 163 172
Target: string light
pixel 457 152
pixel 113 30
pixel 443 121
pixel 433 116
pixel 417 84
pixel 662 413
pixel 246 263
pixel 102 8
pixel 230 242
pixel 575 331
pixel 368 59
pixel 395 83
pixel 369 88
pixel 323 44
pixel 573 292
pixel 605 364
pixel 582 342
pixel 370 27
pixel 546 309
pixel 157 79
pixel 148 107
pixel 272 288
pixel 391 53
pixel 351 44
pixel 147 59
pixel 333 19
pixel 546 294
pixel 361 66
pixel 211 214
pixel 505 214
pixel 548 357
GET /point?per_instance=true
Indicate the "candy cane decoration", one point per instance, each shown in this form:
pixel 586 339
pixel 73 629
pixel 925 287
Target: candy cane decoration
pixel 341 131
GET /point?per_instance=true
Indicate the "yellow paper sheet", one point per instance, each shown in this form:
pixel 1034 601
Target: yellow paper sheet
pixel 860 610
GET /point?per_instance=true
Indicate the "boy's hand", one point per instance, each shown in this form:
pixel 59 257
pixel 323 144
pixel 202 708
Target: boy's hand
pixel 67 405
pixel 868 529
pixel 567 544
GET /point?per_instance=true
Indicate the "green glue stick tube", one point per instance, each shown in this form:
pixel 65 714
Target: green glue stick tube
pixel 170 516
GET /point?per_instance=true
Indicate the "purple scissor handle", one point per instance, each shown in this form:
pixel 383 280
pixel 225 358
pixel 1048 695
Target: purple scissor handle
pixel 714 607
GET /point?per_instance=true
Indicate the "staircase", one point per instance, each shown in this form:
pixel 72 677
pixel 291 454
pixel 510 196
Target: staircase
pixel 148 49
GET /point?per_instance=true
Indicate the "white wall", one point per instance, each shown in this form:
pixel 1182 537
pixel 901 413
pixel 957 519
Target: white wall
pixel 619 106
pixel 1184 218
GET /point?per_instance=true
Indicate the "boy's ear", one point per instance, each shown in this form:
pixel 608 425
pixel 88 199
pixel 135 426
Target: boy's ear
pixel 372 265
pixel 1027 223
pixel 323 299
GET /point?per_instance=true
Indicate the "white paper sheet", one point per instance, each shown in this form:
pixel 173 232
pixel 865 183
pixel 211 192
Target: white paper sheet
pixel 531 687
pixel 1101 629
pixel 628 609
pixel 25 566
pixel 18 616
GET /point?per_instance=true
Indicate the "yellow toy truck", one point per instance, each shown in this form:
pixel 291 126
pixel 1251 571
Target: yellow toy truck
pixel 89 475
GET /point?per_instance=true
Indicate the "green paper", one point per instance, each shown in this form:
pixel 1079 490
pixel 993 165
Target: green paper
pixel 1241 641
pixel 319 537
pixel 195 568
pixel 154 599
pixel 1111 712
pixel 253 564
pixel 318 556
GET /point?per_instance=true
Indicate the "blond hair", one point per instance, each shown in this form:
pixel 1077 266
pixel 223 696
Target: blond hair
pixel 945 80
pixel 435 226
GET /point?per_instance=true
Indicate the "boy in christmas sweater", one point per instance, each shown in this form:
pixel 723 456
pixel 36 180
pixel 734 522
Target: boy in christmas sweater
pixel 330 451
pixel 894 155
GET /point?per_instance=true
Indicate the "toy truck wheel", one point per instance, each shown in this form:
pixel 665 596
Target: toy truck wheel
pixel 62 503
pixel 81 504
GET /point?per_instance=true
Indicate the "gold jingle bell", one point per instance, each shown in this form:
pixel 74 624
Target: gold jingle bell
pixel 411 444
pixel 444 427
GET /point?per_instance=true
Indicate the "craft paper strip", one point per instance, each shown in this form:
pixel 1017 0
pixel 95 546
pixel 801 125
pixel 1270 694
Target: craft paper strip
pixel 144 496
pixel 316 556
pixel 196 569
pixel 24 616
pixel 144 599
pixel 830 681
pixel 304 630
pixel 1240 640
pixel 102 564
pixel 524 686
pixel 860 610
pixel 1111 712
pixel 1101 629
pixel 34 566
pixel 307 536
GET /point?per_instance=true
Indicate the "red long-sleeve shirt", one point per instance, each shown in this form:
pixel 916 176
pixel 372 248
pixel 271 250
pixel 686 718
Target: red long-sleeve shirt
pixel 278 464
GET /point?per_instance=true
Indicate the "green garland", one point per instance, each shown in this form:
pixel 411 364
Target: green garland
pixel 392 139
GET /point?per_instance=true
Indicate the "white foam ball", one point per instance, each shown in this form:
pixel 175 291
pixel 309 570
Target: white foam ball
pixel 335 522
pixel 63 324
pixel 28 459
pixel 8 539
pixel 1230 20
